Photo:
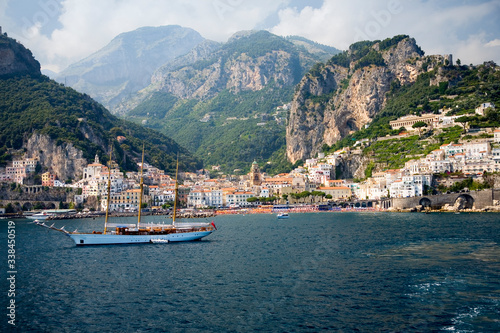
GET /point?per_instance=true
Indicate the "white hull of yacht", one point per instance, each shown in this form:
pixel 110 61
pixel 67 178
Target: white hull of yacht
pixel 108 239
pixel 39 216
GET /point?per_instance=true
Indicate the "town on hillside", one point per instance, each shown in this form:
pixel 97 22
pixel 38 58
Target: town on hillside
pixel 313 182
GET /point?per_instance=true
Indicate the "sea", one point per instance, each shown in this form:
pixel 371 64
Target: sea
pixel 314 272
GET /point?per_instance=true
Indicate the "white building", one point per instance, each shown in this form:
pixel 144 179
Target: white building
pixel 159 199
pixel 440 166
pixel 417 167
pixel 497 135
pixel 410 186
pixel 310 162
pixel 477 149
pixel 28 163
pixel 451 149
pixel 93 170
pixel 320 174
pixel 238 199
pixel 476 167
pixel 371 189
pixel 447 121
pixel 205 198
pixel 332 160
pixel 264 192
pixel 482 108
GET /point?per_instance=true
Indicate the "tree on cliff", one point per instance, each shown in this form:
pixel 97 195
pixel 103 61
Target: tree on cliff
pixel 464 121
pixel 419 125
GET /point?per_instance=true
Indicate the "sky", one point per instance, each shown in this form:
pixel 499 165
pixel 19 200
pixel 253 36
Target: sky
pixel 61 32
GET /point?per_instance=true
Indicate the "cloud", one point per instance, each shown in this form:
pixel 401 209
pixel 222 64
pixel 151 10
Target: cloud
pixel 493 43
pixel 86 26
pixel 440 27
pixel 60 32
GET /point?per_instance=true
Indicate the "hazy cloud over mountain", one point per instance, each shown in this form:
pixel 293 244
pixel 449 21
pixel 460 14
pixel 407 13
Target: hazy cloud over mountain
pixel 60 32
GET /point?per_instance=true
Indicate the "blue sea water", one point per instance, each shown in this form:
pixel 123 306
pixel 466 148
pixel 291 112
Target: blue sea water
pixel 347 272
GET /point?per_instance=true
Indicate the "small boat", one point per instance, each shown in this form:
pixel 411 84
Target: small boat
pixel 40 216
pixel 120 233
pixel 48 213
pixel 282 215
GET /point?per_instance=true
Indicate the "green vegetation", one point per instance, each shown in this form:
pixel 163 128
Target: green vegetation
pixel 266 200
pixel 394 153
pixel 259 43
pixel 371 58
pixel 232 143
pixel 366 55
pixel 389 42
pixel 468 183
pixel 157 106
pixel 304 195
pixel 37 104
pixel 419 125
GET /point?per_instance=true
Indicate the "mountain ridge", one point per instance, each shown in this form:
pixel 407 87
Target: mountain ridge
pixel 126 63
pixel 65 129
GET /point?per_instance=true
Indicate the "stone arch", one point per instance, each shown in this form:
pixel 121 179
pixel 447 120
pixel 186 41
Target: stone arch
pixel 464 201
pixel 425 202
pixel 363 204
pixel 357 205
pixel 369 204
pixel 50 206
pixel 27 206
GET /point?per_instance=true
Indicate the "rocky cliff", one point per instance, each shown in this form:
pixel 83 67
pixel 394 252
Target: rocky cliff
pixel 15 59
pixel 247 62
pixel 65 160
pixel 343 95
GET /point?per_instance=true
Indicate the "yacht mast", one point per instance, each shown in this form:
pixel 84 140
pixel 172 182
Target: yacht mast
pixel 141 186
pixel 176 191
pixel 109 190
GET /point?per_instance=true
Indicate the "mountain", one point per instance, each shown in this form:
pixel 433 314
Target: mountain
pixel 65 129
pixel 126 64
pixel 343 95
pixel 220 101
pixel 200 52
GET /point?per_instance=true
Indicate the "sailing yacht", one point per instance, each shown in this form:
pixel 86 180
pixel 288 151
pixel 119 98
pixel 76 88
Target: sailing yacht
pixel 120 233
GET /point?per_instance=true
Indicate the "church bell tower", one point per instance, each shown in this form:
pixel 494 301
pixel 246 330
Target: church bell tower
pixel 255 176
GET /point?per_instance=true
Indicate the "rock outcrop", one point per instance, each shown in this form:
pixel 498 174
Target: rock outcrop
pixel 15 59
pixel 235 66
pixel 235 74
pixel 65 160
pixel 351 166
pixel 340 97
